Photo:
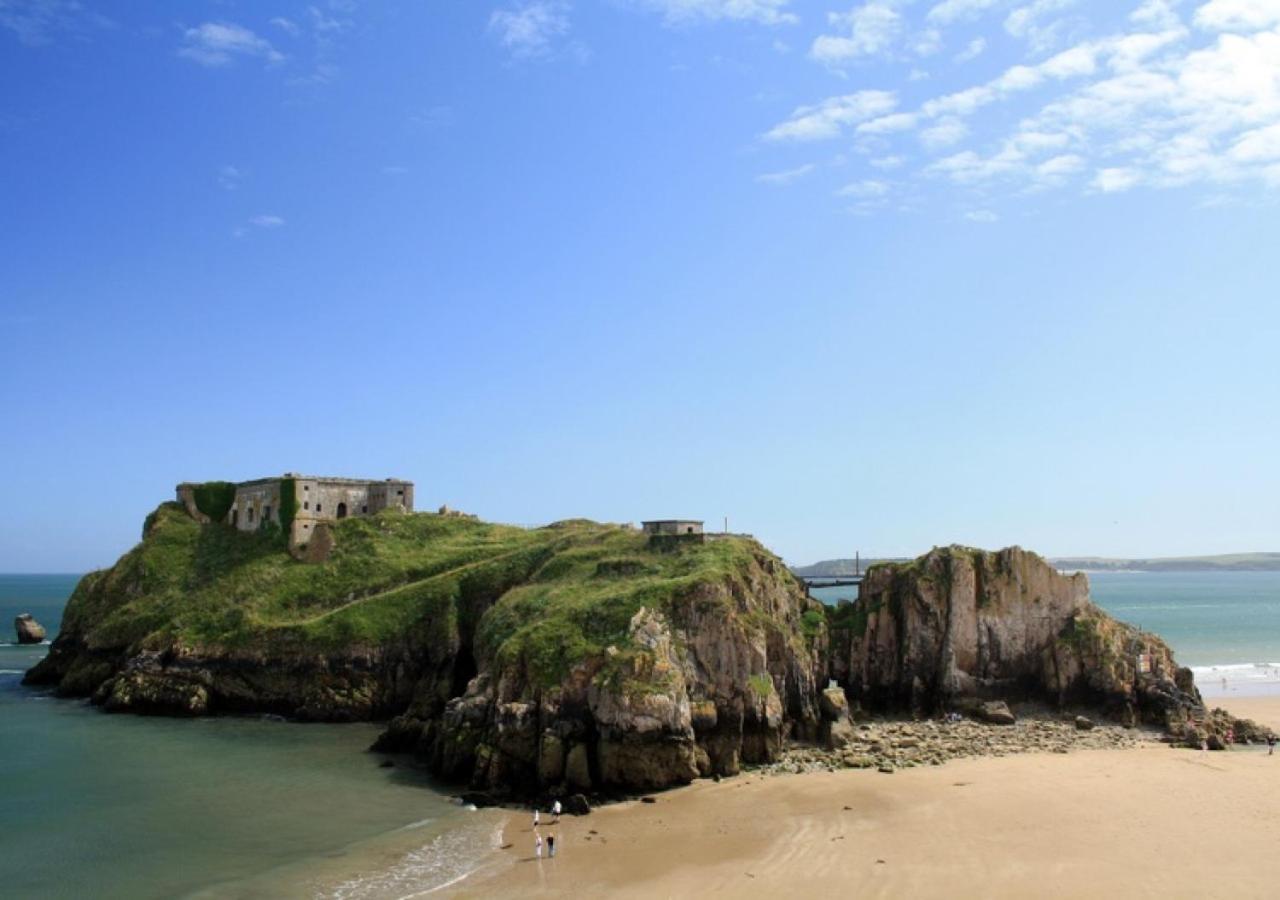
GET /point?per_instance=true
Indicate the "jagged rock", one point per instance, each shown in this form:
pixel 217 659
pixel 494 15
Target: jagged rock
pixel 960 623
pixel 995 712
pixel 1216 743
pixel 577 805
pixel 833 704
pixel 29 630
pixel 1083 724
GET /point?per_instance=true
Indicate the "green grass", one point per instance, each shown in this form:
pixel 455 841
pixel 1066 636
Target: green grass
pixel 540 600
pixel 214 498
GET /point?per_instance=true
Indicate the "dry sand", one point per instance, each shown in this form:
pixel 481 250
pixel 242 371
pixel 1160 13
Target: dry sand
pixel 1146 822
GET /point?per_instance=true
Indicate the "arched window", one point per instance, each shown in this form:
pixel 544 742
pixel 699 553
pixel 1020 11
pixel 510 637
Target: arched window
pixel 342 510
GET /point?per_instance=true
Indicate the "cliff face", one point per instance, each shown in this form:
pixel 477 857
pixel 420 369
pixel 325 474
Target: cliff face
pixel 960 623
pixel 697 682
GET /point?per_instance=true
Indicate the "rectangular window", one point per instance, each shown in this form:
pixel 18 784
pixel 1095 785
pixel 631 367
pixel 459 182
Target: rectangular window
pixel 306 504
pixel 317 507
pixel 364 509
pixel 266 512
pixel 400 493
pixel 306 487
pixel 250 516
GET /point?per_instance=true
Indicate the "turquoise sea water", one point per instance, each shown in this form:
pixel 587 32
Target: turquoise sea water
pixel 95 805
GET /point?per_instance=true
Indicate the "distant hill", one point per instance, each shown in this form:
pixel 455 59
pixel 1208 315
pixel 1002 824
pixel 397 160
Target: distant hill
pixel 838 568
pixel 1227 562
pixel 1233 562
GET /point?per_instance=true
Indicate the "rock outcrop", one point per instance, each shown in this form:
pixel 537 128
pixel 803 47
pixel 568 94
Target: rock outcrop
pixel 962 623
pixel 715 678
pixel 29 630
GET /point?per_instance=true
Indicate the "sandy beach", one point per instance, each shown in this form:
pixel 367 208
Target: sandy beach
pixel 1151 821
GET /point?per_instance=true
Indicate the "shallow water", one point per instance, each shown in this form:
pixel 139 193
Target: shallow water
pixel 96 805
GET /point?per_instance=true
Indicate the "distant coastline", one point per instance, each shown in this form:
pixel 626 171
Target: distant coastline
pixel 1226 562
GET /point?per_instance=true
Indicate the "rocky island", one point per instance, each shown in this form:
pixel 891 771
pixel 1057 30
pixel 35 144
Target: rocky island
pixel 584 657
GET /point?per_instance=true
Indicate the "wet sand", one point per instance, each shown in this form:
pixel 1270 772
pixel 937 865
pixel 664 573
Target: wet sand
pixel 1151 821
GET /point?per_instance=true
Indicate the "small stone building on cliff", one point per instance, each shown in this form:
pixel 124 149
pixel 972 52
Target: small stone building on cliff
pixel 293 502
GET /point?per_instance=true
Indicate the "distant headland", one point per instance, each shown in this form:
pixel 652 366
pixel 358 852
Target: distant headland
pixel 1226 562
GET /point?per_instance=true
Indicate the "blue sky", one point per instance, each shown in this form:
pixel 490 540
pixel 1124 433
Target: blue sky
pixel 871 276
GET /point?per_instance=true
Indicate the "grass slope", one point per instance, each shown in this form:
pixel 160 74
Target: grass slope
pixel 557 594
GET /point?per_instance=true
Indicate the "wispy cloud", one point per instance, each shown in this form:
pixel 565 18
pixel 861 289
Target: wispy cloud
pixel 985 216
pixel 764 12
pixel 1184 94
pixel 949 11
pixel 229 178
pixel 972 50
pixel 218 43
pixel 867 30
pixel 833 116
pixel 37 22
pixel 267 221
pixel 530 30
pixel 785 177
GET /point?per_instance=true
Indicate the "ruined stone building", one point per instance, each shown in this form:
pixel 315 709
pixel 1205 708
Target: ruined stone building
pixel 296 503
pixel 672 526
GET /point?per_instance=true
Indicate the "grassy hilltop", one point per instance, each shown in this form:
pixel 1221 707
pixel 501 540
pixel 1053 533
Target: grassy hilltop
pixel 544 598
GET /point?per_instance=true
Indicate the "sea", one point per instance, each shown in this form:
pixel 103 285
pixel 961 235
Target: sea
pixel 95 805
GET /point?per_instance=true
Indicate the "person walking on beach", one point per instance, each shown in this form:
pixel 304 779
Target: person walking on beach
pixel 537 845
pixel 535 817
pixel 551 846
pixel 555 810
pixel 1271 744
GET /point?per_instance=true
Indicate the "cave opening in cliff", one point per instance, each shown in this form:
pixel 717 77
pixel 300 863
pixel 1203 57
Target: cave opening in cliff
pixel 464 669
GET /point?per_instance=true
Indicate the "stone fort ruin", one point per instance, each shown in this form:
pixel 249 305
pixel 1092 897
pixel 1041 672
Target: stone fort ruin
pixel 298 504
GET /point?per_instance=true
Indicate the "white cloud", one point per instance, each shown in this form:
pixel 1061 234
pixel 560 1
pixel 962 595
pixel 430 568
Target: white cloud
pixel 529 30
pixel 984 216
pixel 217 43
pixel 972 50
pixel 889 124
pixel 949 11
pixel 927 42
pixel 1058 166
pixel 764 12
pixel 1238 15
pixel 786 176
pixel 1155 104
pixel 944 134
pixel 266 221
pixel 1033 22
pixel 864 189
pixel 287 25
pixel 1156 14
pixel 832 116
pixel 1115 179
pixel 867 30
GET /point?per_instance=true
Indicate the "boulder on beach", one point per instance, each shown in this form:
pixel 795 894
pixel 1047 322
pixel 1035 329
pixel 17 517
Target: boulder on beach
pixel 996 712
pixel 29 630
